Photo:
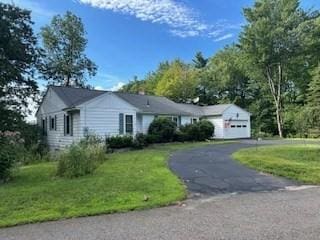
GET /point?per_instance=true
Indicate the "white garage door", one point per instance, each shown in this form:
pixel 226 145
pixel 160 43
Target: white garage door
pixel 236 129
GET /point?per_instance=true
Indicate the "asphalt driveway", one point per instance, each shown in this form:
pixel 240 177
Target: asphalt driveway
pixel 210 170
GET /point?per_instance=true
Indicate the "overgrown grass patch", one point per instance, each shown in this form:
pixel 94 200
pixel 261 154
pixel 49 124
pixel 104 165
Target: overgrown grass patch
pixel 297 162
pixel 125 181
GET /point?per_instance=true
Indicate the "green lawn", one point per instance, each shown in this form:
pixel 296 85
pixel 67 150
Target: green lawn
pixel 120 184
pixel 297 162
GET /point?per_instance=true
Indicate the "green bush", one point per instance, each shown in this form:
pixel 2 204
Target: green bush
pixel 140 141
pixel 116 142
pixel 11 150
pixel 152 138
pixel 180 136
pixel 162 128
pixel 190 132
pixel 199 131
pixel 80 159
pixel 206 129
pixel 91 140
pixel 7 161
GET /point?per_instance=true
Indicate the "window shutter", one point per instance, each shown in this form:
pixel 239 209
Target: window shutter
pixel 120 123
pixel 64 124
pixel 71 124
pixel 55 122
pixel 46 125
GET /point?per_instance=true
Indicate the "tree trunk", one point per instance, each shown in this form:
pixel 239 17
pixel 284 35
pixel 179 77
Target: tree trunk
pixel 279 120
pixel 276 94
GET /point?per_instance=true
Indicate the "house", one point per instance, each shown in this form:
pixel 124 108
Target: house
pixel 68 114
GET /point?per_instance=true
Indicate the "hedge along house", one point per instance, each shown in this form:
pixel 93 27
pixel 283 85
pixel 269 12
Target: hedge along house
pixel 68 114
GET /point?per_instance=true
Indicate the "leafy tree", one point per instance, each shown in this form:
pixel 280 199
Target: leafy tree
pixel 312 109
pixel 178 82
pixel 64 60
pixel 149 84
pixel 18 59
pixel 230 78
pixel 207 89
pixel 314 89
pixel 270 41
pixel 134 86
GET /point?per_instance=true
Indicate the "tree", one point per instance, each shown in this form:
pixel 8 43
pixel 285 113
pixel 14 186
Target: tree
pixel 199 61
pixel 314 89
pixel 64 60
pixel 312 109
pixel 231 81
pixel 149 83
pixel 271 43
pixel 178 82
pixel 18 60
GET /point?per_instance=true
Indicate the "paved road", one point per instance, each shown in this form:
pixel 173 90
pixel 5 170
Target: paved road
pixel 210 170
pixel 292 215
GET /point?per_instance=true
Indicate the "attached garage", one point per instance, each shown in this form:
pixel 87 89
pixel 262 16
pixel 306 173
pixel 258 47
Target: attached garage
pixel 230 121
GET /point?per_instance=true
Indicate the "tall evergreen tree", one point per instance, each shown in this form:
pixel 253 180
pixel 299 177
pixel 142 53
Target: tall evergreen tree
pixel 64 60
pixel 199 61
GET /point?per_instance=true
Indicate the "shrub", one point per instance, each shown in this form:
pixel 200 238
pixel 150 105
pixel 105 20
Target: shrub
pixel 180 136
pixel 80 159
pixel 162 128
pixel 152 138
pixel 206 129
pixel 11 149
pixel 191 132
pixel 116 142
pixel 140 141
pixel 91 140
pixel 7 160
pixel 199 131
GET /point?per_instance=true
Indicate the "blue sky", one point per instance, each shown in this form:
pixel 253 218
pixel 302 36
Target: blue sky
pixel 130 37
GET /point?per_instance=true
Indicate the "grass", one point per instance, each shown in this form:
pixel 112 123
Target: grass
pixel 296 162
pixel 120 184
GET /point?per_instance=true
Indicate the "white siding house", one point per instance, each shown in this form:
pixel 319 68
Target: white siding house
pixel 68 114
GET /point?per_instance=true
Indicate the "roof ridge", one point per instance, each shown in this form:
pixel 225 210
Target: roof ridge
pixel 79 88
pixel 137 94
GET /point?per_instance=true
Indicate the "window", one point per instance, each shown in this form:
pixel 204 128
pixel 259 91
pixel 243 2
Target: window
pixel 238 126
pixel 194 120
pixel 44 126
pixel 244 126
pixel 68 124
pixel 129 124
pixel 175 120
pixel 233 126
pixel 53 123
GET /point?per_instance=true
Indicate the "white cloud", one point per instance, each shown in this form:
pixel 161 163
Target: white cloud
pixel 99 88
pixel 181 20
pixel 116 87
pixel 224 37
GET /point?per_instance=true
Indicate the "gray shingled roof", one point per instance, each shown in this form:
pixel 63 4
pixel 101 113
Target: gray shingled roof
pixel 75 96
pixel 152 104
pixel 145 103
pixel 191 108
pixel 215 109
